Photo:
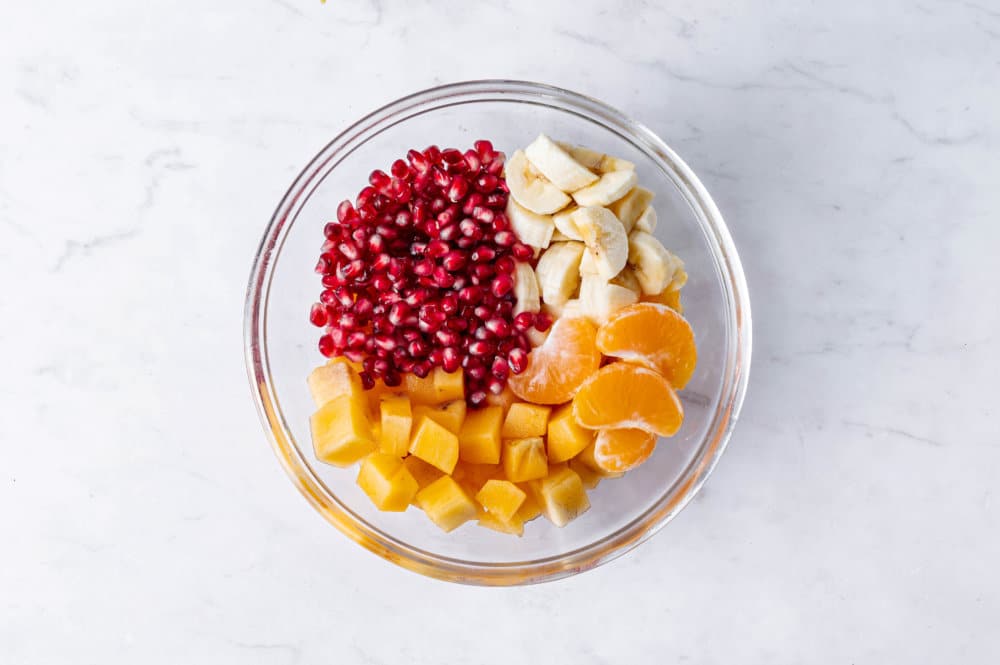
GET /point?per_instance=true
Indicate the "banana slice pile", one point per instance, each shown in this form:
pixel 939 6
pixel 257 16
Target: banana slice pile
pixel 592 225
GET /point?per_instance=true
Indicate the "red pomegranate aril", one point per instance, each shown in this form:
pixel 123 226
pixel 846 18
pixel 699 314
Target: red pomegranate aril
pixel 500 368
pixel 443 278
pixel 505 309
pixel 331 281
pixel 505 264
pixel 433 153
pixel 363 308
pixel 518 360
pixel 483 313
pixel 457 323
pixel 431 228
pixel 366 196
pixel 379 179
pixel 438 204
pixel 403 219
pixel 328 297
pixel 470 294
pixel 483 333
pixel 465 242
pixel 483 271
pixel 344 296
pixel 502 285
pixel 477 398
pixel 326 346
pixel 452 156
pixel 504 238
pixel 495 167
pixel 360 238
pixel 410 335
pixel 458 188
pixel 483 147
pixel 454 260
pixel 483 253
pixel 476 372
pixel 346 211
pixel 380 366
pixel 367 380
pixel 347 321
pixel 472 201
pixel 381 283
pixel 436 249
pixel 392 379
pixel 451 359
pixel 423 268
pixel 416 297
pixel 470 229
pixel 381 262
pixel 398 313
pixel 440 178
pixel 376 244
pixel 498 327
pixel 436 356
pixel 356 339
pixel 339 337
pixel 542 322
pixel 354 269
pixel 472 160
pixel 524 321
pixel 324 265
pixel 496 385
pixel 449 233
pixel 486 183
pixel 397 268
pixel 417 348
pixel 449 303
pixel 522 252
pixel 447 337
pixel 483 214
pixel 354 355
pixel 405 365
pixel 480 348
pixel 496 200
pixel 418 161
pixel 400 170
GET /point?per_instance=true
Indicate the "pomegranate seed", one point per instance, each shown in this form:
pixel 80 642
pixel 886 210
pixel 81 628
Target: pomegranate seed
pixel 454 260
pixel 403 219
pixel 486 183
pixel 440 179
pixel 500 223
pixel 480 348
pixel 482 272
pixel 518 360
pixel 423 268
pixel 483 313
pixel 344 296
pixel 354 355
pixel 500 368
pixel 483 253
pixel 433 153
pixel 421 369
pixel 483 214
pixel 381 283
pixel 473 201
pixel 457 323
pixel 363 307
pixel 495 167
pixel 379 179
pixel 477 398
pixel 381 262
pixel 417 348
pixel 542 322
pixel 437 248
pixel 465 242
pixel 449 303
pixel 450 359
pixel 502 285
pixel 323 265
pixel 331 281
pixel 435 356
pixel 450 233
pixel 356 339
pixel 410 335
pixel 483 332
pixel 505 264
pixel 506 345
pixel 317 315
pixel 476 372
pixel 367 380
pixel 401 170
pixel 470 229
pixel 524 320
pixel 483 147
pixel 419 162
pixel 470 294
pixel 498 327
pixel 458 188
pixel 326 346
pixel 392 379
pixel 495 386
pixel 496 200
pixel 522 252
pixel 472 160
pixel 504 238
pixel 398 313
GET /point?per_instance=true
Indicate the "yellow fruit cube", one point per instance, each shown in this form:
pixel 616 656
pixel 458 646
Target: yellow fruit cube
pixel 588 476
pixel 524 459
pixel 420 391
pixel 422 472
pixel 435 445
pixel 501 498
pixel 525 420
pixel 566 438
pixel 514 526
pixel 561 495
pixel 530 509
pixel 341 431
pixel 377 432
pixel 375 395
pixel 387 482
pixel 450 415
pixel 472 477
pixel 446 503
pixel 330 381
pixel 479 438
pixel 396 420
pixel 448 387
pixel 504 399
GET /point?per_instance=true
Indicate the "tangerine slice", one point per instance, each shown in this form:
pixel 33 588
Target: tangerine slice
pixel 653 335
pixel 622 395
pixel 618 450
pixel 558 367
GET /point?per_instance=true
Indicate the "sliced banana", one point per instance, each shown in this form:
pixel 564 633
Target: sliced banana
pixel 558 272
pixel 596 161
pixel 525 289
pixel 646 221
pixel 529 227
pixel 530 188
pixel 599 298
pixel 611 187
pixel 564 223
pixel 629 207
pixel 654 265
pixel 573 309
pixel 557 165
pixel 605 237
pixel 559 236
pixel 628 279
pixel 587 265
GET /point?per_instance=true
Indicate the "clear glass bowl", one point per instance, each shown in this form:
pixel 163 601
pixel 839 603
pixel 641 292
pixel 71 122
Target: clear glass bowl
pixel 281 343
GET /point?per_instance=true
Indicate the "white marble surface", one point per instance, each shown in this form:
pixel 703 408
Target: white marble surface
pixel 853 149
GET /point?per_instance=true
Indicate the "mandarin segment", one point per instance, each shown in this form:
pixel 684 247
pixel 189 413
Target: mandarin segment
pixel 622 395
pixel 653 335
pixel 558 367
pixel 619 450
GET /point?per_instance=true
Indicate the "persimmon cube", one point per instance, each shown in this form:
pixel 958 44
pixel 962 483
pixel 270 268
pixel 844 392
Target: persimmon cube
pixel 450 415
pixel 525 420
pixel 396 420
pixel 524 459
pixel 514 526
pixel 387 482
pixel 434 444
pixel 448 387
pixel 341 431
pixel 589 477
pixel 330 381
pixel 501 498
pixel 562 496
pixel 566 438
pixel 479 438
pixel 530 509
pixel 419 390
pixel 472 477
pixel 446 503
pixel 422 472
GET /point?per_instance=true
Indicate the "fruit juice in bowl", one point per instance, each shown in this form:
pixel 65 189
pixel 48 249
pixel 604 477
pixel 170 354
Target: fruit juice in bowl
pixel 502 334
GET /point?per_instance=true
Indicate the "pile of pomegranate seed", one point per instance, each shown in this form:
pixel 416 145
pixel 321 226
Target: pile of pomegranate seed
pixel 419 273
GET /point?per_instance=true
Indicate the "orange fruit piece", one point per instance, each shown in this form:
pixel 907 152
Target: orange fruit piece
pixel 653 335
pixel 618 450
pixel 669 297
pixel 622 395
pixel 558 367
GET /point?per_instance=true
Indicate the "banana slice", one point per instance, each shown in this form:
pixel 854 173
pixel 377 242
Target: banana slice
pixel 605 237
pixel 587 265
pixel 654 265
pixel 596 161
pixel 559 236
pixel 555 164
pixel 558 272
pixel 529 227
pixel 573 309
pixel 599 298
pixel 564 223
pixel 646 221
pixel 525 289
pixel 611 187
pixel 629 207
pixel 530 188
pixel 628 279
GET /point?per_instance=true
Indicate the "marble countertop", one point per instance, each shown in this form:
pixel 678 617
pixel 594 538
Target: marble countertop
pixel 853 150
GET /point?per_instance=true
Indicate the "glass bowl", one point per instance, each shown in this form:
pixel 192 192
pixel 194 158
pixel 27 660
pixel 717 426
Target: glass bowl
pixel 280 343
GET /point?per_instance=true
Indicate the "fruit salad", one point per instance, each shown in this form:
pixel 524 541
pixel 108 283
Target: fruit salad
pixel 502 334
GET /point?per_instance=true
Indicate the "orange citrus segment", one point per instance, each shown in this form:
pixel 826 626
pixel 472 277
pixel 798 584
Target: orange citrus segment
pixel 618 450
pixel 558 367
pixel 670 297
pixel 622 395
pixel 653 335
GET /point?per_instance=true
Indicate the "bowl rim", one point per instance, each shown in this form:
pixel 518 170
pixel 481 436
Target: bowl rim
pixel 607 548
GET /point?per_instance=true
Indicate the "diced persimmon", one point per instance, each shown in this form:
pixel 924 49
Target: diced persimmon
pixel 566 438
pixel 396 420
pixel 524 459
pixel 525 420
pixel 435 445
pixel 422 472
pixel 562 496
pixel 341 431
pixel 387 482
pixel 450 415
pixel 336 378
pixel 501 498
pixel 479 438
pixel 448 387
pixel 446 503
